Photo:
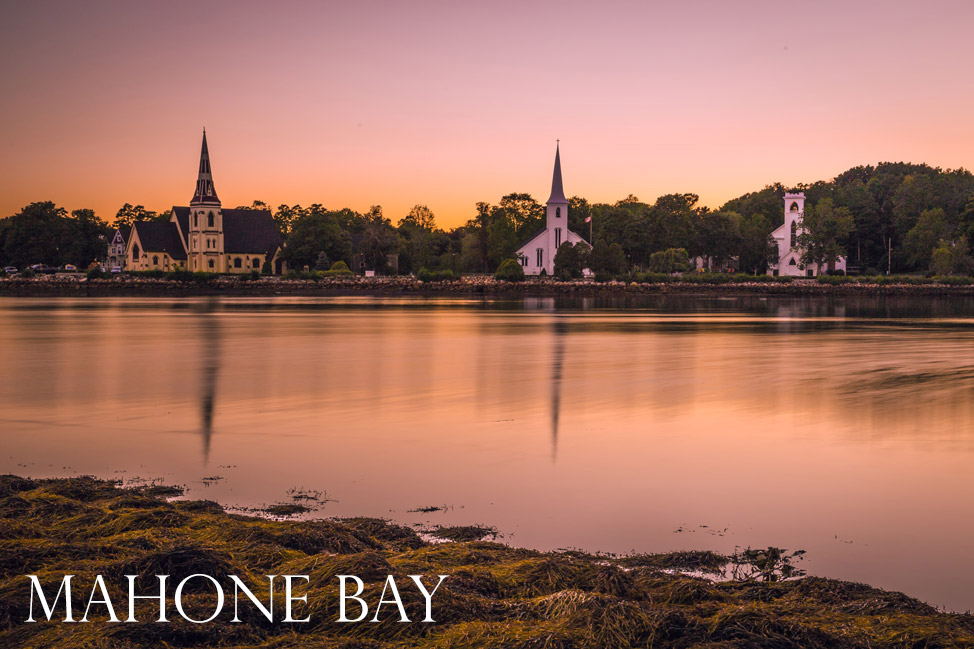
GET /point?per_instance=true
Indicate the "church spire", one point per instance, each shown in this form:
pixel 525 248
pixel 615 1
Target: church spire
pixel 557 191
pixel 205 194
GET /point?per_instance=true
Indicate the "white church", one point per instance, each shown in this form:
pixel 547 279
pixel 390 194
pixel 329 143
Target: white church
pixel 538 254
pixel 786 237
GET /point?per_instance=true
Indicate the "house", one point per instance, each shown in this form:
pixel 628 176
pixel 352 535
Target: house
pixel 537 255
pixel 116 248
pixel 786 238
pixel 205 237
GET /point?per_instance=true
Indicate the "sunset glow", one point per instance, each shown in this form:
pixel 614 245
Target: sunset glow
pixel 447 103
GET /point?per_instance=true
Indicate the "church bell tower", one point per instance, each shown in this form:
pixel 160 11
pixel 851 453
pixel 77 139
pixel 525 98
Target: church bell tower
pixel 205 236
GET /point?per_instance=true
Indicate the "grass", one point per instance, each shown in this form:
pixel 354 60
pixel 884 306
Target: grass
pixel 496 596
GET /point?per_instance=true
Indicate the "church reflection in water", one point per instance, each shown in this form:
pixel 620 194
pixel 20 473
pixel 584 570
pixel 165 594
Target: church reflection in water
pixel 557 367
pixel 208 324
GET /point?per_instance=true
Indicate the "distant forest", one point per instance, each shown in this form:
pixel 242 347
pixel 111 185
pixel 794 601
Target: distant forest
pixel 925 215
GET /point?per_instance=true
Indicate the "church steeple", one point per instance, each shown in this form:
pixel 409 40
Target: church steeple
pixel 557 191
pixel 205 193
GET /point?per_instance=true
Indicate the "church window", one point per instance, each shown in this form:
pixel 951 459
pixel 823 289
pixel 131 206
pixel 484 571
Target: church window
pixel 794 234
pixel 155 260
pixel 238 263
pixel 791 262
pixel 540 255
pixel 196 220
pixel 557 237
pixel 256 262
pixel 211 263
pixel 209 220
pixel 524 261
pixel 135 252
pixel 557 212
pixel 794 206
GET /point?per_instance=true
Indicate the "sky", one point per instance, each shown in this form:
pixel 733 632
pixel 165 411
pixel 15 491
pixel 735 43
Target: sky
pixel 353 104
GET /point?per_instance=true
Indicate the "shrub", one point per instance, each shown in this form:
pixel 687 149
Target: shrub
pixel 426 275
pixel 27 272
pixel 340 265
pixel 182 275
pixel 671 260
pixel 510 270
pixel 97 273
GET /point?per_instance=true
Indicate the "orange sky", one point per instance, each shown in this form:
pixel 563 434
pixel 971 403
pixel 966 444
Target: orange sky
pixel 450 103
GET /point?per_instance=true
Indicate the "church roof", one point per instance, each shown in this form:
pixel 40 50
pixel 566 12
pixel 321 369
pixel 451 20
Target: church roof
pixel 250 231
pixel 557 191
pixel 160 236
pixel 205 192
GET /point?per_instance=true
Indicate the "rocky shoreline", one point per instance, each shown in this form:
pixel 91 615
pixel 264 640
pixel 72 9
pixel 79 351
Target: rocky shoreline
pixel 468 286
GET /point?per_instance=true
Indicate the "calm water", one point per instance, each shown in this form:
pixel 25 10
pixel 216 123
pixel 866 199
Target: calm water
pixel 842 427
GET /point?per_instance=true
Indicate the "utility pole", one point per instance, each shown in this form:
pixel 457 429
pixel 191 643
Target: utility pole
pixel 889 257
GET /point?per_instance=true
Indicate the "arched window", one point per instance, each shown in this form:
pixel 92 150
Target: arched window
pixel 794 206
pixel 794 234
pixel 557 212
pixel 238 263
pixel 256 262
pixel 135 252
pixel 196 220
pixel 155 260
pixel 211 263
pixel 209 220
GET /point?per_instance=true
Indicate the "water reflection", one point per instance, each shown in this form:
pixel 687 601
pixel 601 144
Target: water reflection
pixel 564 422
pixel 208 324
pixel 558 358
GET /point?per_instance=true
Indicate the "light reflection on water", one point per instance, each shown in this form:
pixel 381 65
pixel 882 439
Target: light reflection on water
pixel 844 426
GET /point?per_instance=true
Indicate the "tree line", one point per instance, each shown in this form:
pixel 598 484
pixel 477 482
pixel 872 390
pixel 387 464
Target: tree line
pixel 893 216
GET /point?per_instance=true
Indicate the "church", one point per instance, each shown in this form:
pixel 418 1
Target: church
pixel 205 237
pixel 537 256
pixel 786 238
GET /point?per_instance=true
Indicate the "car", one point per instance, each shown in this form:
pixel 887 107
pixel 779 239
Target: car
pixel 11 270
pixel 116 270
pixel 71 268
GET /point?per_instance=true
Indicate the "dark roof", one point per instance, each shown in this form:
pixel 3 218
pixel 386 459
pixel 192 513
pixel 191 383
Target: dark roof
pixel 182 215
pixel 250 231
pixel 159 236
pixel 557 191
pixel 124 230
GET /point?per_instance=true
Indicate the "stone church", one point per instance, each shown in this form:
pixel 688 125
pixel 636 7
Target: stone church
pixel 538 254
pixel 204 236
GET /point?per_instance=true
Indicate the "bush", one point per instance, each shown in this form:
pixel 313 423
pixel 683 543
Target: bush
pixel 27 272
pixel 152 274
pixel 425 275
pixel 340 265
pixel 510 270
pixel 182 275
pixel 97 273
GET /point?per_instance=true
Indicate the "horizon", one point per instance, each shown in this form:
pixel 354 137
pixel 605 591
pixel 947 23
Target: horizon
pixel 352 106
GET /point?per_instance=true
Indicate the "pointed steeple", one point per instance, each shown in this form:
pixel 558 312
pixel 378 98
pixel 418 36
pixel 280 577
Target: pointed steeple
pixel 205 193
pixel 557 191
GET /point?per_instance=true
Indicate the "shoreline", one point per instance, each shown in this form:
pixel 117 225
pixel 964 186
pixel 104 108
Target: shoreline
pixel 470 286
pixel 495 596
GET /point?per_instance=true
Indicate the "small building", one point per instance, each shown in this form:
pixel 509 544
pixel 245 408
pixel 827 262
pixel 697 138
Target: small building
pixel 537 255
pixel 205 237
pixel 786 238
pixel 116 248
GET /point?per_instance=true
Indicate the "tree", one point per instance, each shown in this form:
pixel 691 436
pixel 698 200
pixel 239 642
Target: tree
pixel 378 239
pixel 570 259
pixel 322 263
pixel 315 232
pixel 825 228
pixel 930 229
pixel 671 260
pixel 129 214
pixel 285 216
pixel 757 247
pixel 607 260
pixel 718 236
pixel 419 216
pixel 952 257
